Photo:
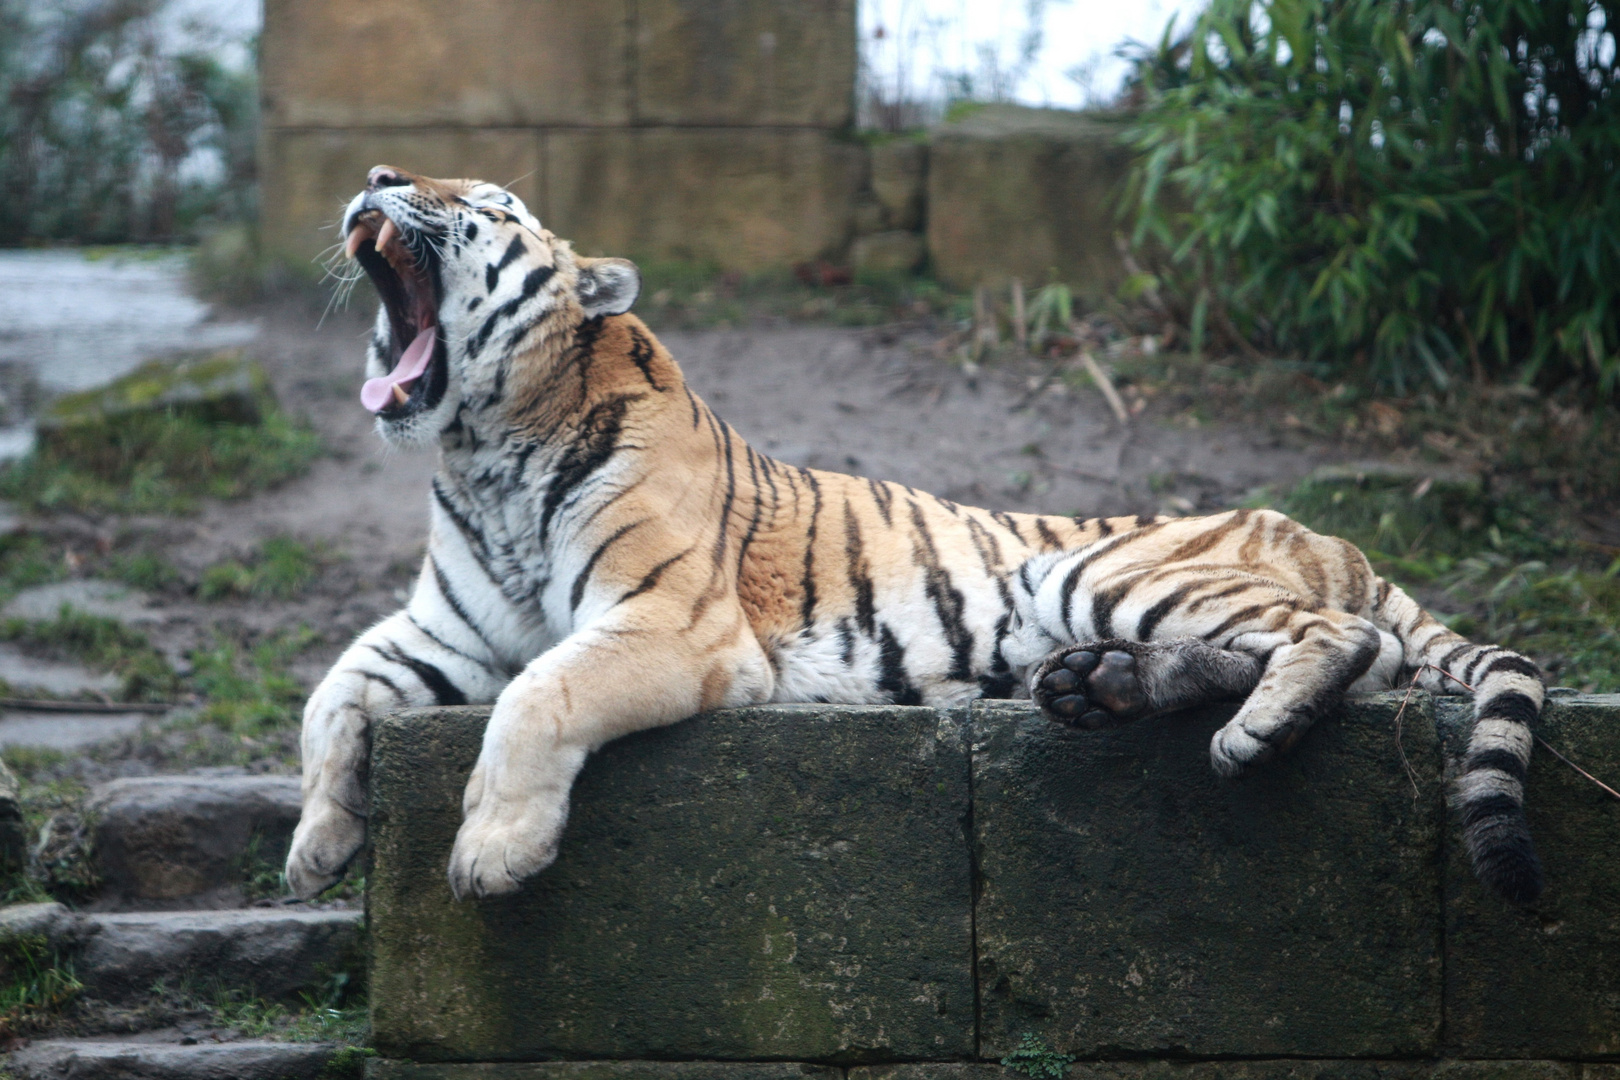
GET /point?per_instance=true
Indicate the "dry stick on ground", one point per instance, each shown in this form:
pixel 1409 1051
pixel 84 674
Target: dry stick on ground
pixel 54 705
pixel 1106 385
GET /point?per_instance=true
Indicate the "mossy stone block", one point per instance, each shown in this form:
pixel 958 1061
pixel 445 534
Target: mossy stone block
pixel 1133 903
pixel 224 386
pixel 782 882
pixel 385 1069
pixel 1544 980
pixel 1275 1069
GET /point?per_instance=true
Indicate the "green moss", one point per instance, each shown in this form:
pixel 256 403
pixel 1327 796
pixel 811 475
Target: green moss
pixel 158 462
pixel 281 568
pixel 248 692
pixel 144 570
pixel 25 560
pixel 1035 1059
pixel 104 643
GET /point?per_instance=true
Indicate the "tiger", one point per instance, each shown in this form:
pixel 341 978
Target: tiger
pixel 606 555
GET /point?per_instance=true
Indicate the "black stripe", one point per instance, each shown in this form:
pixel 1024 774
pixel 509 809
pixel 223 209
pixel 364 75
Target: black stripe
pixel 1516 664
pixel 445 645
pixel 859 579
pixel 641 354
pixel 653 575
pixel 1048 537
pixel 492 274
pixel 881 496
pixel 808 583
pixel 464 525
pixel 1444 663
pixel 1008 522
pixel 1496 805
pixel 722 536
pixel 1241 615
pixel 450 597
pixel 372 676
pixel 1154 615
pixel 591 448
pixel 1104 527
pixel 1512 706
pixel 577 593
pixel 1497 758
pixel 892 678
pixel 531 285
pixel 443 690
pixel 759 508
pixel 949 604
pixel 1143 520
pixel 1485 651
pixel 692 399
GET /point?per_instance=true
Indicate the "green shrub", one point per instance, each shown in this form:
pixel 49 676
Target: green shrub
pixel 1414 188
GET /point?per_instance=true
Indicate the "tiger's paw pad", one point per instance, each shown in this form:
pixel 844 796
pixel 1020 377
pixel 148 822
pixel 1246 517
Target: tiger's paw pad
pixel 1090 686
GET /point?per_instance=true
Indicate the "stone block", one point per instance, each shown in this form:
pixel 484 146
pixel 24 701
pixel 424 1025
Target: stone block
pixel 1026 193
pixel 1543 981
pixel 421 63
pixel 745 62
pixel 1132 903
pixel 272 952
pixel 385 1069
pixel 738 199
pixel 900 182
pixel 887 254
pixel 785 883
pixel 309 176
pixel 91 1059
pixel 189 839
pixel 221 387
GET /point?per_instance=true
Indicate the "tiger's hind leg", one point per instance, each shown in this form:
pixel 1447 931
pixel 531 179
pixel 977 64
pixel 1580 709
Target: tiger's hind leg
pixel 1102 684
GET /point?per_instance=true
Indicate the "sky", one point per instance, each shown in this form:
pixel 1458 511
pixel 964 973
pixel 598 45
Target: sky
pixel 937 34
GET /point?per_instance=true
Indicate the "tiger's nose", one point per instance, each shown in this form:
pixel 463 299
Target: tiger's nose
pixel 385 176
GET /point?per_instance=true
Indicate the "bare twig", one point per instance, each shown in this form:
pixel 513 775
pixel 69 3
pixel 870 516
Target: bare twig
pixel 54 705
pixel 1106 385
pixel 1577 768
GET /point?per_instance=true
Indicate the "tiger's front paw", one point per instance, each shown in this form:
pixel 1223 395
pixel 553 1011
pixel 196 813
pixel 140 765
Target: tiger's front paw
pixel 327 837
pixel 500 844
pixel 1095 685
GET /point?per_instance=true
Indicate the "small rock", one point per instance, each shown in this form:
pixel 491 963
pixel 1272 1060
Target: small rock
pixel 189 838
pixel 224 386
pixel 273 952
pixel 887 253
pixel 59 926
pixel 92 1059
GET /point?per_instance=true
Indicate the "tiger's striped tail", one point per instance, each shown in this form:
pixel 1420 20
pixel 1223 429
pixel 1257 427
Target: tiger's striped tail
pixel 1508 693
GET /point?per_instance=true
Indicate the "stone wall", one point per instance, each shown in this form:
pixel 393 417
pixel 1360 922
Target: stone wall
pixel 891 893
pixel 717 131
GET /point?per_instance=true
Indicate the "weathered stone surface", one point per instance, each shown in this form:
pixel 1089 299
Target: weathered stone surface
pixel 900 182
pixel 384 1069
pixel 778 882
pixel 1025 193
pixel 310 174
pixel 420 63
pixel 13 834
pixel 1131 902
pixel 90 1059
pixel 1264 1070
pixel 224 386
pixel 887 254
pixel 35 930
pixel 741 200
pixel 189 838
pixel 745 62
pixel 1543 981
pixel 273 952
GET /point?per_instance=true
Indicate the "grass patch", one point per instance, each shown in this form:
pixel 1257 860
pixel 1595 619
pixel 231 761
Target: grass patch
pixel 144 570
pixel 1035 1059
pixel 104 643
pixel 1506 569
pixel 39 985
pixel 158 462
pixel 248 691
pixel 27 560
pixel 281 569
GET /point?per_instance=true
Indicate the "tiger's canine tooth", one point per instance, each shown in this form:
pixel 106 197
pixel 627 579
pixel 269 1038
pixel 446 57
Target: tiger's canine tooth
pixel 388 231
pixel 400 395
pixel 358 235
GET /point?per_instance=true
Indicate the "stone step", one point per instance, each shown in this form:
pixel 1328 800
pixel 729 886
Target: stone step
pixel 95 1059
pixel 270 952
pixel 189 841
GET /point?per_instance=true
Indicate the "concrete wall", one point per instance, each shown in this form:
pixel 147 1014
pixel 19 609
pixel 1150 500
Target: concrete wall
pixel 903 893
pixel 708 130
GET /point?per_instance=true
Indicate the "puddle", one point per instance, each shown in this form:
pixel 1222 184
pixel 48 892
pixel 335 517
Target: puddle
pixel 73 320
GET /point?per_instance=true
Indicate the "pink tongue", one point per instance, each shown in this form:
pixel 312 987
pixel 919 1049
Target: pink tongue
pixel 378 394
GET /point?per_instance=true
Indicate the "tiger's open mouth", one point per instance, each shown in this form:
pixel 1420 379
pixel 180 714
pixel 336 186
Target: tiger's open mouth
pixel 403 268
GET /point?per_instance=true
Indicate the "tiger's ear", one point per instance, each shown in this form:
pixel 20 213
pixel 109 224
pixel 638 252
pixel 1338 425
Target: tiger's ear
pixel 607 286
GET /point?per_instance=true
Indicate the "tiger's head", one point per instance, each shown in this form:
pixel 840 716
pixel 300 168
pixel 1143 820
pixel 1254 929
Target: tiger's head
pixel 467 277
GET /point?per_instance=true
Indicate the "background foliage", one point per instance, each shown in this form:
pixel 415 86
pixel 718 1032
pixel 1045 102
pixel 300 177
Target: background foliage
pixel 1416 188
pixel 116 125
